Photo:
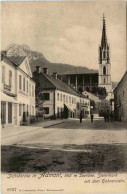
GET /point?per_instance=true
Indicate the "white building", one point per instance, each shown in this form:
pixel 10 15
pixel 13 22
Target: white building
pixel 17 91
pixel 60 99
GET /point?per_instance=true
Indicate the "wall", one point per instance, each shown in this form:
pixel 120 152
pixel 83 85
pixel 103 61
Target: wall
pixel 120 97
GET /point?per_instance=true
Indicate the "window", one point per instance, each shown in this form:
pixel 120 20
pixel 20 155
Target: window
pixel 33 91
pixel 20 82
pixel 9 112
pixel 61 96
pixel 104 54
pixel 69 99
pixel 104 80
pixel 46 96
pixel 46 110
pixel 58 96
pixel 24 84
pixel 20 110
pixel 104 70
pixel 10 78
pixel 3 112
pixel 3 74
pixel 30 89
pixel 27 87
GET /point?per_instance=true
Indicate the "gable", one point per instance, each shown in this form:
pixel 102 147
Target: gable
pixel 45 83
pixel 25 66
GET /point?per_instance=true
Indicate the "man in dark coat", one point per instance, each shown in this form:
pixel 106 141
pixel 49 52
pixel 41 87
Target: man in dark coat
pixel 81 115
pixel 92 116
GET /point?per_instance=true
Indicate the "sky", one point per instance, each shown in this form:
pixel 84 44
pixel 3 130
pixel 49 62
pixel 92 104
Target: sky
pixel 68 32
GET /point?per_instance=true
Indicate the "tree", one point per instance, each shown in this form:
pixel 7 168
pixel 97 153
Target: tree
pixel 102 91
pixel 39 103
pixel 94 90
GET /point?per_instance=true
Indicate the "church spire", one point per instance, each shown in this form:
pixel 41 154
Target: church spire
pixel 104 47
pixel 104 38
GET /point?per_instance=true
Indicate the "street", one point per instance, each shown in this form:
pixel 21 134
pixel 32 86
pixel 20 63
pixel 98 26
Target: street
pixel 69 147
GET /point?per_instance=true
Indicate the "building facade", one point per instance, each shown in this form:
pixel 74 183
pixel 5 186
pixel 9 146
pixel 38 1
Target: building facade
pixel 120 99
pixel 59 99
pixel 17 91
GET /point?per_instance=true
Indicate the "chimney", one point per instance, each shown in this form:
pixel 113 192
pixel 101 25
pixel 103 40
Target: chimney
pixel 38 69
pixel 3 54
pixel 45 70
pixel 55 75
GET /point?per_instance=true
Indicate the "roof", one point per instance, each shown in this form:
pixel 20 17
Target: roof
pixel 125 74
pixel 61 85
pixel 17 59
pixel 104 38
pixel 80 73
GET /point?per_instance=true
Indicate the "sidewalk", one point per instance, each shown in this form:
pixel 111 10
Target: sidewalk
pixel 12 131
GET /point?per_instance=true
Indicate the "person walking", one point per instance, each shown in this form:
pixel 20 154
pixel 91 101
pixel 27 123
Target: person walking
pixel 81 117
pixel 92 116
pixel 105 117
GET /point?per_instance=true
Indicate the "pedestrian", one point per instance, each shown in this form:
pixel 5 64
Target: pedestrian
pixel 105 117
pixel 92 116
pixel 111 116
pixel 81 117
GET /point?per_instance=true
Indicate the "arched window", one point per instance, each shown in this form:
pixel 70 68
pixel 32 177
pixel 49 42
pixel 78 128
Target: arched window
pixel 103 54
pixel 104 70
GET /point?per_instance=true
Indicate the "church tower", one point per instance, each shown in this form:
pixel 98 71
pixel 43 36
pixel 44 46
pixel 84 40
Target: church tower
pixel 104 61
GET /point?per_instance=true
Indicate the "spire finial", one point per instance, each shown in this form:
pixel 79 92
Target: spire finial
pixel 103 18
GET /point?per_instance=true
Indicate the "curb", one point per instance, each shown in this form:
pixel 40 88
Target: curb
pixel 38 128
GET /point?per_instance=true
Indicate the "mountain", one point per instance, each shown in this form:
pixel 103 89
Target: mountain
pixel 38 59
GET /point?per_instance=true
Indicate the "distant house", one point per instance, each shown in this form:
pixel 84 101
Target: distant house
pixel 120 99
pixel 59 99
pixel 17 91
